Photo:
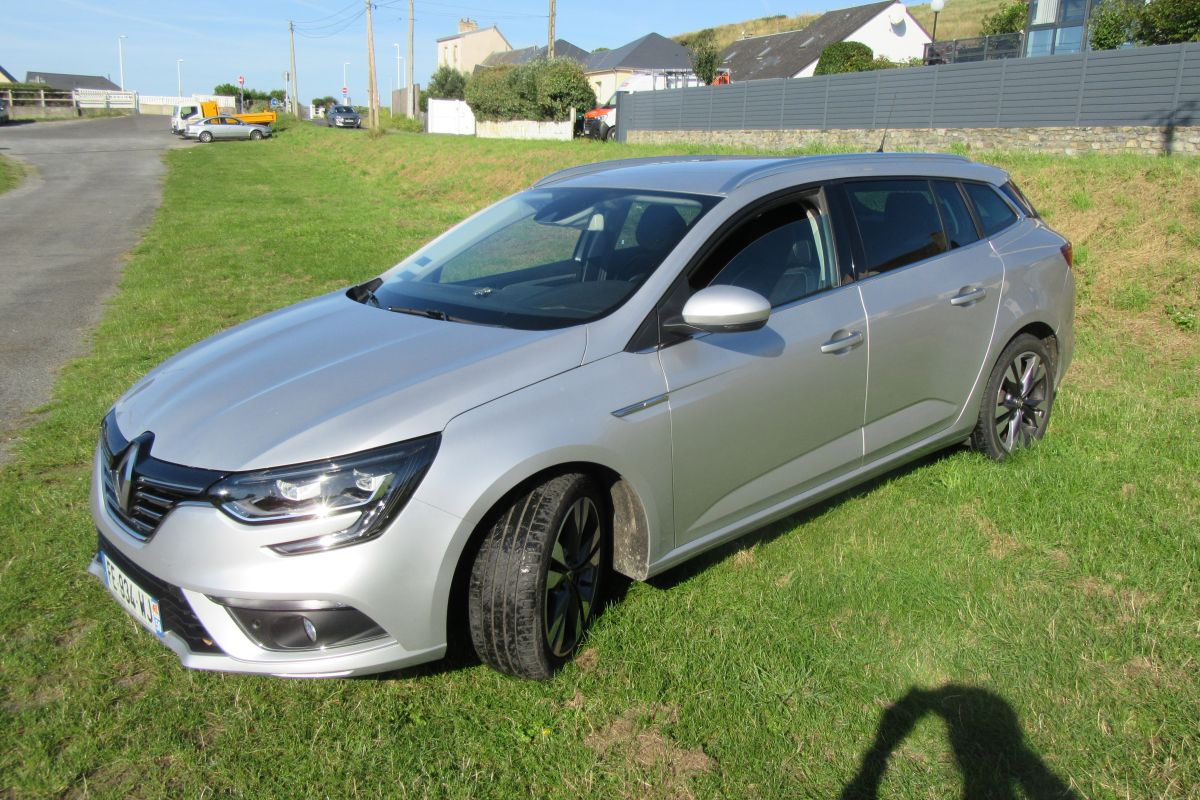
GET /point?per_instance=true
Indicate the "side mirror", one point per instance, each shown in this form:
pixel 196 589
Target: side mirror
pixel 726 309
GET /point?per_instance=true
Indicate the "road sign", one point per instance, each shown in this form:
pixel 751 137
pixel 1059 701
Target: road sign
pixel 344 92
pixel 241 80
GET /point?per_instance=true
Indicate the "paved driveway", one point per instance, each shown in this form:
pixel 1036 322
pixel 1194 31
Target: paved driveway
pixel 63 235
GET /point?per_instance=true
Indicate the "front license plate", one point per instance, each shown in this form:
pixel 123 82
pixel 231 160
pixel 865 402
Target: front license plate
pixel 134 598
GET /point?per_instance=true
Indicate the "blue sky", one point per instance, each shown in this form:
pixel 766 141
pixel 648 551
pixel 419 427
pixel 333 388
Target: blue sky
pixel 221 39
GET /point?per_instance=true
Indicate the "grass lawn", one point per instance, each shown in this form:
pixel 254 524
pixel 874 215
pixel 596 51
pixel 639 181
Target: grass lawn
pixel 11 173
pixel 1033 623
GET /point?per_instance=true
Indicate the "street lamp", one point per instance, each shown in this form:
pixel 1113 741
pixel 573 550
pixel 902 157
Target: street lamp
pixel 936 6
pixel 344 95
pixel 399 60
pixel 121 58
pixel 179 76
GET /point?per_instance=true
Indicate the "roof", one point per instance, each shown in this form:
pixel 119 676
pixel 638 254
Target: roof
pixel 65 81
pixel 721 175
pixel 465 34
pixel 8 76
pixel 507 58
pixel 652 51
pixel 783 55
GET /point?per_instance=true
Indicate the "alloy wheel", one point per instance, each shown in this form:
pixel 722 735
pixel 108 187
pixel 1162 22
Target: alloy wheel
pixel 573 577
pixel 1022 402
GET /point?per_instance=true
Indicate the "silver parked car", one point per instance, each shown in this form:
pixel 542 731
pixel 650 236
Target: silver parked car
pixel 224 126
pixel 619 368
pixel 343 117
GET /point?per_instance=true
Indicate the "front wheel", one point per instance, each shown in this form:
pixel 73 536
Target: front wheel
pixel 256 135
pixel 205 137
pixel 1017 399
pixel 610 135
pixel 536 580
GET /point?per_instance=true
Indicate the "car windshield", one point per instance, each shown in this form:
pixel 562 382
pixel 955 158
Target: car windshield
pixel 343 110
pixel 544 258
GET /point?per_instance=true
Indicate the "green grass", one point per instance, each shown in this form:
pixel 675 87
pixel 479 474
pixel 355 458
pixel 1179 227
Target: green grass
pixel 1046 607
pixel 11 173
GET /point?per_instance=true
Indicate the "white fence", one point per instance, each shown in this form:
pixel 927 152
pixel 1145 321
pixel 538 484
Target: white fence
pixel 451 116
pixel 99 98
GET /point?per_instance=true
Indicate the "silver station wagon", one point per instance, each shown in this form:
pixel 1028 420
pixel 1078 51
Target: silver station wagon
pixel 617 369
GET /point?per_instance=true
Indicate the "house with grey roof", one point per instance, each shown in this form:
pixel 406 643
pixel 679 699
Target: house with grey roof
pixel 608 69
pixel 886 27
pixel 512 58
pixel 6 76
pixel 65 82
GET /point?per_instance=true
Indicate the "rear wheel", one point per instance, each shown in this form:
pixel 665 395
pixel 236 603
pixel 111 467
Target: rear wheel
pixel 536 580
pixel 205 137
pixel 1017 400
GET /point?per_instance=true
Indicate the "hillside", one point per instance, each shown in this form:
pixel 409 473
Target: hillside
pixel 959 19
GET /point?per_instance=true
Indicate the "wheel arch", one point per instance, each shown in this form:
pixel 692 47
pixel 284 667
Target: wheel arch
pixel 630 531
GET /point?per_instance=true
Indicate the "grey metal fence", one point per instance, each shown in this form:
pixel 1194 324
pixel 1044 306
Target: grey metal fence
pixel 1138 86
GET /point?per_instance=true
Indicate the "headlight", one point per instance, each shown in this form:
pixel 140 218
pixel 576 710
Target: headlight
pixel 376 484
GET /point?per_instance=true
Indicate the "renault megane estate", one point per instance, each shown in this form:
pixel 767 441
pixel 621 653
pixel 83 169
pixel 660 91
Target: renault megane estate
pixel 616 369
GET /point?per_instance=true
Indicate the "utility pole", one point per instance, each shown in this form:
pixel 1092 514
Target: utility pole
pixel 410 102
pixel 121 58
pixel 372 83
pixel 550 44
pixel 295 89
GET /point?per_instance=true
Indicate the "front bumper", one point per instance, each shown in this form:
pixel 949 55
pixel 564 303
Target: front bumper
pixel 350 123
pixel 400 580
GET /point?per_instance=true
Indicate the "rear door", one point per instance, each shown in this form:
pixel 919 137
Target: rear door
pixel 758 417
pixel 931 286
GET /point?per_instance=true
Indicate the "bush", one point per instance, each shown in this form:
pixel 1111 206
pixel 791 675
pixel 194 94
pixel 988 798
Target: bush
pixel 399 122
pixel 845 57
pixel 447 83
pixel 1168 22
pixel 544 91
pixel 1009 19
pixel 1112 24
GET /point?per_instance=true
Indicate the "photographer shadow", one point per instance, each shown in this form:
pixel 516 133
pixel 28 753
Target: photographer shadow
pixel 985 735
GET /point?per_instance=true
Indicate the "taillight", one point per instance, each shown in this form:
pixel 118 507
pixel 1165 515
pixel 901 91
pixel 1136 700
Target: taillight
pixel 1068 254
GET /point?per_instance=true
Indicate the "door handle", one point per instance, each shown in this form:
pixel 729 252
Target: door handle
pixel 966 296
pixel 852 339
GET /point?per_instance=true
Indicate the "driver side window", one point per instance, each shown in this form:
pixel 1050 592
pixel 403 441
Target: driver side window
pixel 783 253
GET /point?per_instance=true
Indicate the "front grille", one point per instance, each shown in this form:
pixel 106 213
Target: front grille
pixel 155 487
pixel 173 608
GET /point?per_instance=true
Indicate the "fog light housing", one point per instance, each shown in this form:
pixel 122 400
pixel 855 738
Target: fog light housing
pixel 292 625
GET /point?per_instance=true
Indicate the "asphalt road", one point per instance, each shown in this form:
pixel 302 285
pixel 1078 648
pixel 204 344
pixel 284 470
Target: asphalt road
pixel 63 236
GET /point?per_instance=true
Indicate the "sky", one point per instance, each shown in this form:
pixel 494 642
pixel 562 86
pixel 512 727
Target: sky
pixel 218 40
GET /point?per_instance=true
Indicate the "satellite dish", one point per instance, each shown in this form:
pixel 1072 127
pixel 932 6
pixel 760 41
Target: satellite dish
pixel 895 15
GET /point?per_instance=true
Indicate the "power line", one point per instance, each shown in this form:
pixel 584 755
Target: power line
pixel 347 7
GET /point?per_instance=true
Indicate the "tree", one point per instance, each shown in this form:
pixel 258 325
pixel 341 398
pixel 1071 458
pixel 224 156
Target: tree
pixel 1168 22
pixel 845 57
pixel 447 83
pixel 324 102
pixel 1009 19
pixel 540 90
pixel 226 89
pixel 706 58
pixel 1112 24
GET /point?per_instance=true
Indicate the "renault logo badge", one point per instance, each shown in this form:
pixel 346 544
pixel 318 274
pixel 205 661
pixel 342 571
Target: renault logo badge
pixel 123 475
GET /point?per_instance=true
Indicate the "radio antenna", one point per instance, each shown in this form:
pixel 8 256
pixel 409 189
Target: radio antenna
pixel 887 124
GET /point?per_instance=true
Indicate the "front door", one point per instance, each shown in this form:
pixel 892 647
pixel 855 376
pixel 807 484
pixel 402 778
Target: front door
pixel 758 417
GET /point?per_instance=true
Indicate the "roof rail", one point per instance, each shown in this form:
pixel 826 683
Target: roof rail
pixel 619 163
pixel 784 164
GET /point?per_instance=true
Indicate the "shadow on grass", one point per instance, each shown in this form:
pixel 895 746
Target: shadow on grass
pixel 677 575
pixel 985 735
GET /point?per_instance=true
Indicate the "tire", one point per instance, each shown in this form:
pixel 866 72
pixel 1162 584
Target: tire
pixel 610 135
pixel 1017 399
pixel 536 580
pixel 255 135
pixel 205 137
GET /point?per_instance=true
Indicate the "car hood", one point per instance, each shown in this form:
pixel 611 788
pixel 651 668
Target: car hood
pixel 329 377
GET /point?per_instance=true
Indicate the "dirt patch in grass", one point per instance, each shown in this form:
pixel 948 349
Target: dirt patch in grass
pixel 637 738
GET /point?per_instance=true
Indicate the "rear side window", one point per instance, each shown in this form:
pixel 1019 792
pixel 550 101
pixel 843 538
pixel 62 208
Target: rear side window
pixel 1014 193
pixel 956 217
pixel 994 214
pixel 898 222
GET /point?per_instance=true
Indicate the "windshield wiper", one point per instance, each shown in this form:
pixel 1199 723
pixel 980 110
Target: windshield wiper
pixel 432 313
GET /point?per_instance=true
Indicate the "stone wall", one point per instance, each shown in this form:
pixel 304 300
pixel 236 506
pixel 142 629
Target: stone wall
pixel 1144 140
pixel 525 129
